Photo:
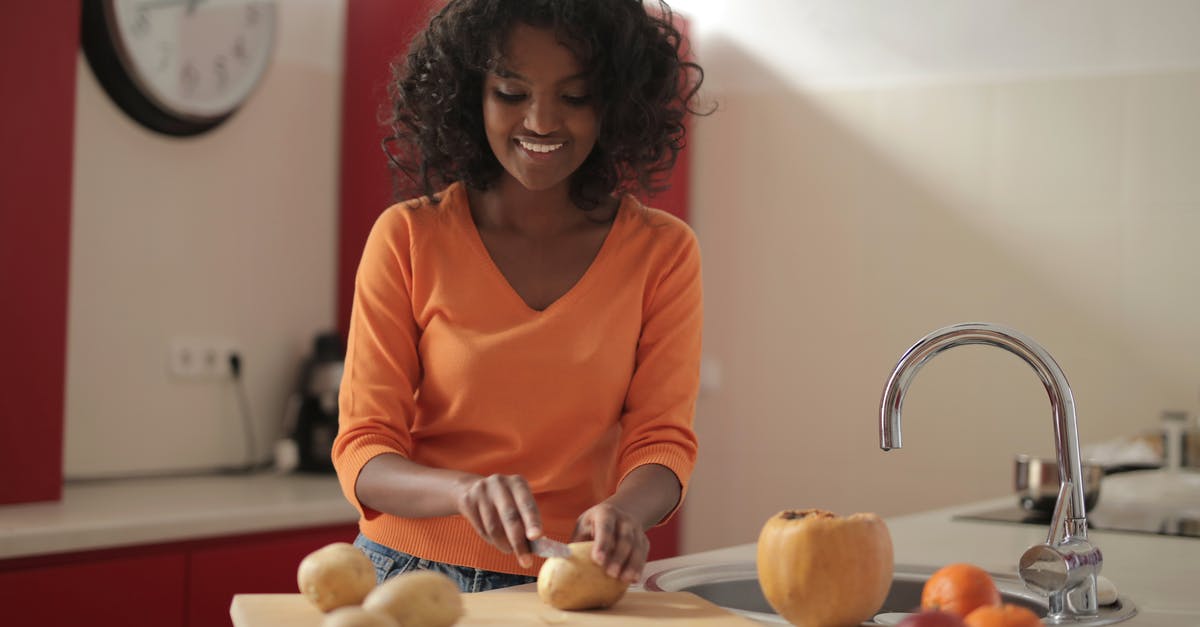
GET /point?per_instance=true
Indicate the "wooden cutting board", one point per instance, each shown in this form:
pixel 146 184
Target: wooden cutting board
pixel 511 607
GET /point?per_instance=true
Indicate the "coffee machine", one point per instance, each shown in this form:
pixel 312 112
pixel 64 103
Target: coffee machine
pixel 312 411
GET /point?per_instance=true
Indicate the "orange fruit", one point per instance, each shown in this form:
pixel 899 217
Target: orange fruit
pixel 958 589
pixel 1006 615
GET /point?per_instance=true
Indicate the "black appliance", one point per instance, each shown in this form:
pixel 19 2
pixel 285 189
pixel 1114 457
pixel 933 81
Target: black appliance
pixel 312 421
pixel 1098 520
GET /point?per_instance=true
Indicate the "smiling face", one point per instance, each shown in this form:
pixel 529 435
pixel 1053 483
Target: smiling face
pixel 538 113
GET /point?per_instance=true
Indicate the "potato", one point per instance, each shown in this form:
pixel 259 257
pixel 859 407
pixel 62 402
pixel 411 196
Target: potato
pixel 420 598
pixel 355 616
pixel 577 582
pixel 335 575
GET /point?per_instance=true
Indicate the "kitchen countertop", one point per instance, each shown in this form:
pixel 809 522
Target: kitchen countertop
pixel 125 512
pixel 1160 574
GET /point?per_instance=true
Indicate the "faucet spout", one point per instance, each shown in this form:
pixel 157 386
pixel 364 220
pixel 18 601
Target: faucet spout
pixel 1062 403
pixel 1067 552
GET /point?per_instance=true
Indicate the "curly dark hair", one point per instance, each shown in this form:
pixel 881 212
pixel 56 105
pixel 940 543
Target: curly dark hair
pixel 633 62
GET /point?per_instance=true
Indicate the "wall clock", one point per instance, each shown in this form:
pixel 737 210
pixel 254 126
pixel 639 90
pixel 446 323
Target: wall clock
pixel 179 67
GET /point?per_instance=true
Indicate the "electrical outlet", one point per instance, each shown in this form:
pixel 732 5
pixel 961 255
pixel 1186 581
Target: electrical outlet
pixel 200 358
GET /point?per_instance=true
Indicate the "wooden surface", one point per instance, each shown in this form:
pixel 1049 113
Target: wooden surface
pixel 510 607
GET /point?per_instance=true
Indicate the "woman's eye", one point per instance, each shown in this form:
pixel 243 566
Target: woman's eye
pixel 509 96
pixel 577 101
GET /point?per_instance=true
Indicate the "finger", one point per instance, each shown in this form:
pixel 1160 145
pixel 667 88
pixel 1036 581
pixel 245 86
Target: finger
pixel 492 529
pixel 492 525
pixel 637 560
pixel 583 528
pixel 511 519
pixel 468 506
pixel 527 506
pixel 622 548
pixel 604 529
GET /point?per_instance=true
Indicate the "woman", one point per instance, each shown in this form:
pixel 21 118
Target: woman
pixel 525 339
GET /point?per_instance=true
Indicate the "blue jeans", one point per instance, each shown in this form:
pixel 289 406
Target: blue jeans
pixel 389 562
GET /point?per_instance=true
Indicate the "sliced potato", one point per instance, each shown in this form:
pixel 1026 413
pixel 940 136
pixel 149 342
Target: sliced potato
pixel 577 582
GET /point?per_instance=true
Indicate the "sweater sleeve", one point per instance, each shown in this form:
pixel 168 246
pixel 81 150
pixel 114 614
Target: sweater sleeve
pixel 382 369
pixel 656 425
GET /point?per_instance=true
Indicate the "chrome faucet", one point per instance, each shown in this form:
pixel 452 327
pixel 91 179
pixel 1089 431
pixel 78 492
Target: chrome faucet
pixel 1064 568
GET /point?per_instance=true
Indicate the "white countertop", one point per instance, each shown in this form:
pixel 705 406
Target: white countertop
pixel 1160 574
pixel 126 512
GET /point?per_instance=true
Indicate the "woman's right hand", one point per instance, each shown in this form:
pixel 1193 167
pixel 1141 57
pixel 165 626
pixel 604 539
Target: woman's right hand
pixel 502 510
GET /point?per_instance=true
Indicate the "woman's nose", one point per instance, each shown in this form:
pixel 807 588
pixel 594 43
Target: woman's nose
pixel 543 117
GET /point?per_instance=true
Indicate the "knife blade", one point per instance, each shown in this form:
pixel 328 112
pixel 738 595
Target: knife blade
pixel 545 547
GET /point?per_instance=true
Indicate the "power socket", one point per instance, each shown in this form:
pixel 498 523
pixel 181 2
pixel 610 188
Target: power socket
pixel 200 358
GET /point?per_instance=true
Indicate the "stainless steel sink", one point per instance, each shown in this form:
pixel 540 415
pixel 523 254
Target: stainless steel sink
pixel 734 586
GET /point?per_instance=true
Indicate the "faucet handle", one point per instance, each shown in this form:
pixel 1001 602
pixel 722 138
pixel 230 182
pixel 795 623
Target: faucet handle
pixel 1055 571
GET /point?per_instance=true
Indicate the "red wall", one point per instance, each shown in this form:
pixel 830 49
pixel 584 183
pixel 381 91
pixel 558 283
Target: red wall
pixel 38 44
pixel 377 31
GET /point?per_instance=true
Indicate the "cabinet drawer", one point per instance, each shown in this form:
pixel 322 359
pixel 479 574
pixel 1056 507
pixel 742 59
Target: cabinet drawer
pixel 250 564
pixel 131 591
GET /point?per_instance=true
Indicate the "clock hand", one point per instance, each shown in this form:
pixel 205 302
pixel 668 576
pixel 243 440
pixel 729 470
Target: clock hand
pixel 158 4
pixel 190 4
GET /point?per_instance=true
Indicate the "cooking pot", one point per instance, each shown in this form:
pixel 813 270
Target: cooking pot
pixel 1037 483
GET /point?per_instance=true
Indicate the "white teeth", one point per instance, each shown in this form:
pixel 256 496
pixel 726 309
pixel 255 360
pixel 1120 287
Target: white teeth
pixel 543 148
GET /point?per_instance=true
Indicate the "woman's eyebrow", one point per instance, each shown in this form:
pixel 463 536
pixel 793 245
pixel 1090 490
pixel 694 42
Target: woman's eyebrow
pixel 506 73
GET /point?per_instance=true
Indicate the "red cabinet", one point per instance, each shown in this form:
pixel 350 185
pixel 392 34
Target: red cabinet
pixel 185 584
pixel 132 591
pixel 263 563
pixel 38 58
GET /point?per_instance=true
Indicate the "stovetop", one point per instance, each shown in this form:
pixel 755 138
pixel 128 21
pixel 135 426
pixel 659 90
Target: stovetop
pixel 1100 520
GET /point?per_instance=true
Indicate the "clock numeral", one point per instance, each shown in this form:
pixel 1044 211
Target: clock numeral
pixel 239 49
pixel 189 78
pixel 164 57
pixel 141 24
pixel 221 70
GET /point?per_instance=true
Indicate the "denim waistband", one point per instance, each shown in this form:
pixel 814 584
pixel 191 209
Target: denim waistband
pixel 389 562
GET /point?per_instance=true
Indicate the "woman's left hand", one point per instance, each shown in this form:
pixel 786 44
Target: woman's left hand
pixel 620 545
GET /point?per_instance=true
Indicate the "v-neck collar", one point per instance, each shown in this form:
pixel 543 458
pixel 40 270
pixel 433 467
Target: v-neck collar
pixel 463 215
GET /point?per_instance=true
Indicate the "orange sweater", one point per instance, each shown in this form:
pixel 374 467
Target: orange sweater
pixel 447 366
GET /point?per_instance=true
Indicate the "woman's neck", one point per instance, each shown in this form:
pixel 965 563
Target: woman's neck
pixel 508 206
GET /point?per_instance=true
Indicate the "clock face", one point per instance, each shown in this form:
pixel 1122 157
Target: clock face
pixel 180 66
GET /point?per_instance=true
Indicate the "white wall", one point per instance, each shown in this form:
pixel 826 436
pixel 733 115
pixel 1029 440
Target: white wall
pixel 880 170
pixel 230 235
pixel 875 171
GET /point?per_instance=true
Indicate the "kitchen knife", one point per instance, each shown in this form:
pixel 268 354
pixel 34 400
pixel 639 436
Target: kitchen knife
pixel 545 547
